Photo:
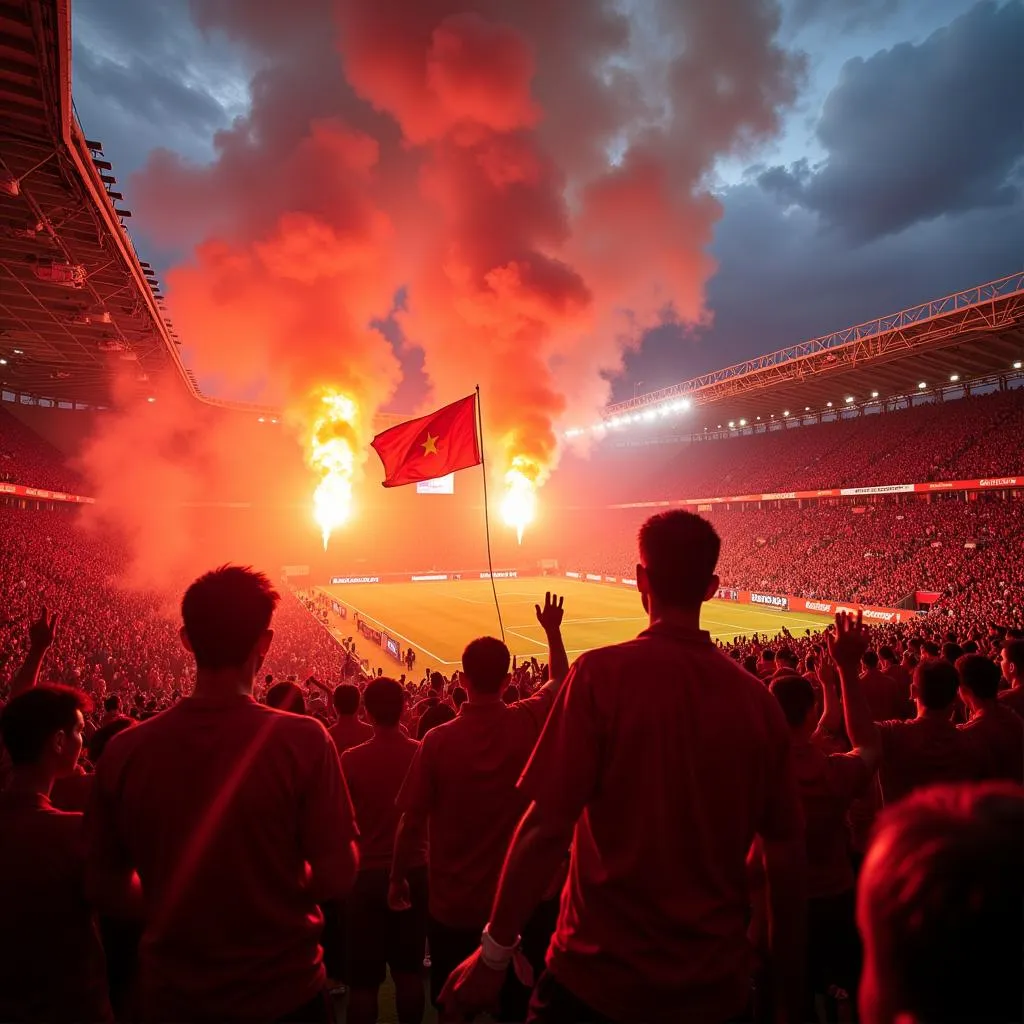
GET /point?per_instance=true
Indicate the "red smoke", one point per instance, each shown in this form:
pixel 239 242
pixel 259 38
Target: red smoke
pixel 533 173
pixel 541 264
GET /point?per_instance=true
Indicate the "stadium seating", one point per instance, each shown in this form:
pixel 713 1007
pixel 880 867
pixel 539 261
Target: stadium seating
pixel 25 458
pixel 955 440
pixel 881 555
pixel 111 638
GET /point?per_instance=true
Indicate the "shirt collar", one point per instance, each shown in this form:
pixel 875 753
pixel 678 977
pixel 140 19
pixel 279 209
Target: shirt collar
pixel 683 633
pixel 478 708
pixel 230 700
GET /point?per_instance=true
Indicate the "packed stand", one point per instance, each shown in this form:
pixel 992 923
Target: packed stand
pixel 963 439
pixel 565 846
pixel 116 640
pixel 881 555
pixel 25 458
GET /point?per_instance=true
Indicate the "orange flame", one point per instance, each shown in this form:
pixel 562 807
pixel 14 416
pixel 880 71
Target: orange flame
pixel 332 454
pixel 519 506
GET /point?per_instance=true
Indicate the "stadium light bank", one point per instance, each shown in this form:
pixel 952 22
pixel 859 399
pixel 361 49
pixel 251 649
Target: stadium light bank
pixel 647 416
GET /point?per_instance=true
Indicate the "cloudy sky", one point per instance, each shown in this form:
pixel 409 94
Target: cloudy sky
pixel 897 175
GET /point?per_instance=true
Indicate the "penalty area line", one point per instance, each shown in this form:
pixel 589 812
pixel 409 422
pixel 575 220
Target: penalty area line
pixel 528 639
pixel 401 636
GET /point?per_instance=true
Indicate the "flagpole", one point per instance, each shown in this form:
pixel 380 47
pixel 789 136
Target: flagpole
pixel 487 514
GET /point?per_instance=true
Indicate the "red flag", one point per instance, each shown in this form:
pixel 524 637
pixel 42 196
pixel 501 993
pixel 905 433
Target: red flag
pixel 431 446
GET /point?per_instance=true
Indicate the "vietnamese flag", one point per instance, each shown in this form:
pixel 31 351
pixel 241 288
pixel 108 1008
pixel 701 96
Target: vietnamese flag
pixel 431 446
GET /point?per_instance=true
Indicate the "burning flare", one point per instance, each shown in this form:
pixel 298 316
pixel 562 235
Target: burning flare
pixel 332 454
pixel 520 504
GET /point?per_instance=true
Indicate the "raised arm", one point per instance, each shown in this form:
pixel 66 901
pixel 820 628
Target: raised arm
pixel 550 618
pixel 41 635
pixel 831 720
pixel 846 649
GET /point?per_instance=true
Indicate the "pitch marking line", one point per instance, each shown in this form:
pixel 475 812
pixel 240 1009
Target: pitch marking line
pixel 401 636
pixel 528 639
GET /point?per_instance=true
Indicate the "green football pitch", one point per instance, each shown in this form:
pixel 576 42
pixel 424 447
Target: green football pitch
pixel 439 618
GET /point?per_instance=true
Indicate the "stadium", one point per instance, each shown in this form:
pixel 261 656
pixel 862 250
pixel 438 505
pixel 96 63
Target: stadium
pixel 873 475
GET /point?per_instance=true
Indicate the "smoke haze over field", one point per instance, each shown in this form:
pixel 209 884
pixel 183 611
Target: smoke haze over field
pixel 531 177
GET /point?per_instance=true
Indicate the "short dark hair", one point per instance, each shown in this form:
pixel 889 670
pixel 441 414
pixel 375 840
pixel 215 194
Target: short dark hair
pixel 870 659
pixel 346 699
pixel 112 703
pixel 951 652
pixel 486 661
pixel 979 675
pixel 887 654
pixel 935 683
pixel 942 890
pixel 31 718
pixel 679 551
pixel 385 700
pixel 458 697
pixel 286 697
pixel 786 654
pixel 436 681
pixel 1014 651
pixel 795 696
pixel 225 612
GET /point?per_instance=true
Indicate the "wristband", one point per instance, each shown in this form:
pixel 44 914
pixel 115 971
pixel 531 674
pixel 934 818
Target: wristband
pixel 495 955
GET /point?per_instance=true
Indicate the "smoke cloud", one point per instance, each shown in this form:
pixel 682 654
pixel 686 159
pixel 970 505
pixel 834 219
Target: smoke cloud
pixel 533 178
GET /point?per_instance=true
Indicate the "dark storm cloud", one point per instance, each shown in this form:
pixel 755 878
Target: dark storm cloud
pixel 781 280
pixel 919 132
pixel 145 76
pixel 145 90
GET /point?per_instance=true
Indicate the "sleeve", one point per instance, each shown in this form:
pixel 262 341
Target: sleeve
pixel 418 790
pixel 537 707
pixel 782 818
pixel 564 770
pixel 326 819
pixel 888 735
pixel 106 852
pixel 849 775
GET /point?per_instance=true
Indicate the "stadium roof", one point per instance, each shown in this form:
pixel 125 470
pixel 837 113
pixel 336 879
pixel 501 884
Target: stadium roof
pixel 973 335
pixel 77 307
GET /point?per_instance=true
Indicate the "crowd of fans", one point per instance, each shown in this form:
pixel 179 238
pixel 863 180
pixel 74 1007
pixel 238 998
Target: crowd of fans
pixel 117 640
pixel 960 440
pixel 246 826
pixel 25 458
pixel 882 553
pixel 563 844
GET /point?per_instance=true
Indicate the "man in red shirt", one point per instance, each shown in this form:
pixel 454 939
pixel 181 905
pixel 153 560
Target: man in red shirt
pixel 889 663
pixel 886 698
pixel 462 787
pixel 378 936
pixel 925 750
pixel 1011 662
pixel 51 960
pixel 661 762
pixel 829 783
pixel 235 818
pixel 992 724
pixel 348 731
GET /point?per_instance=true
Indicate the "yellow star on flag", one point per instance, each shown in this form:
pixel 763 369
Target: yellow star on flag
pixel 430 445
